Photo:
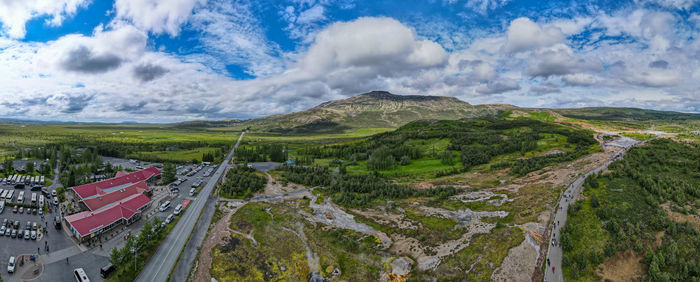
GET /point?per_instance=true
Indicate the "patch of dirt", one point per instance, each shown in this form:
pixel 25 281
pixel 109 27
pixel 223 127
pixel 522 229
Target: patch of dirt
pixel 624 266
pixel 518 265
pixel 693 219
pixel 216 237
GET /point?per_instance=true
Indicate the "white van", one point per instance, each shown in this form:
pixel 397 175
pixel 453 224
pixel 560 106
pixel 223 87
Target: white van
pixel 11 265
pixel 178 209
pixel 80 275
pixel 165 206
pixel 193 191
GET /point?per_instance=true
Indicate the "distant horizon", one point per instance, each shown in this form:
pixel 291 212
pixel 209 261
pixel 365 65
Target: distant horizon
pixel 163 62
pixel 2 119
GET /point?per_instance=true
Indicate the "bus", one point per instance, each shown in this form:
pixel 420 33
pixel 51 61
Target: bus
pixel 9 195
pixel 3 194
pixel 20 197
pixel 165 206
pixel 33 198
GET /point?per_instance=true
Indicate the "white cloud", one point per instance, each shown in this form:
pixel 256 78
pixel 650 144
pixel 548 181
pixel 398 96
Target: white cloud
pixel 156 16
pixel 524 35
pixel 498 86
pixel 580 79
pixel 381 43
pixel 559 60
pixel 14 14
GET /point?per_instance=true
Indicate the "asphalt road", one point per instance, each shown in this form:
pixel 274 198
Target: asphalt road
pixel 158 268
pixel 554 252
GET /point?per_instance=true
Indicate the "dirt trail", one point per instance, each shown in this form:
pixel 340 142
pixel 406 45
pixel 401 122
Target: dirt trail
pixel 216 237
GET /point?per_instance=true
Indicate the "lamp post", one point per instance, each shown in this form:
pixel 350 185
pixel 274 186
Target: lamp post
pixel 134 250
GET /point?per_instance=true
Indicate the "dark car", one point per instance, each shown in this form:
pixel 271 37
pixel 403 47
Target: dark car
pixel 29 225
pixel 57 222
pixel 16 224
pixel 4 222
pixel 20 233
pixel 14 233
pixel 107 270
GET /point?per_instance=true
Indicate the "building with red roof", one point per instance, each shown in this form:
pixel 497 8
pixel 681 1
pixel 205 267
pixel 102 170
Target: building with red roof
pixel 108 203
pixel 86 191
pixel 103 200
pixel 88 224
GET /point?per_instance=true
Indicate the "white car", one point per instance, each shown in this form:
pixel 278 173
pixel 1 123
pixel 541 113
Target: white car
pixel 11 265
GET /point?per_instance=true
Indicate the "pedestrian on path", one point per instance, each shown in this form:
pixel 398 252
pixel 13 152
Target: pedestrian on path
pixel 552 268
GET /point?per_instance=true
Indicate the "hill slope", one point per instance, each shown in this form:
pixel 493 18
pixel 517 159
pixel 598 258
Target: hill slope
pixel 375 109
pixel 624 114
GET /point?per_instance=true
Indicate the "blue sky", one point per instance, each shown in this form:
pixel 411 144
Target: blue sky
pixel 158 61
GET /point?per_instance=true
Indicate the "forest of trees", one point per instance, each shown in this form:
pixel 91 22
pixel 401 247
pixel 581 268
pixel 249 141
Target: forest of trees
pixel 241 182
pixel 477 141
pixel 262 153
pixel 627 204
pixel 359 190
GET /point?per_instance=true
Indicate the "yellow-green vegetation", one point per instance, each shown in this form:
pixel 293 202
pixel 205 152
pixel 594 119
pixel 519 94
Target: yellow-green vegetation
pixel 354 254
pixel 433 229
pixel 478 261
pixel 177 155
pixel 639 136
pixel 148 142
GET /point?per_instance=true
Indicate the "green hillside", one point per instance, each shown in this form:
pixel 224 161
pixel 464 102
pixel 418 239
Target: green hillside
pixel 376 109
pixel 624 114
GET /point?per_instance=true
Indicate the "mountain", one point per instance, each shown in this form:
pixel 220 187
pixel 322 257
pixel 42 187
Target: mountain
pixel 377 109
pixel 624 114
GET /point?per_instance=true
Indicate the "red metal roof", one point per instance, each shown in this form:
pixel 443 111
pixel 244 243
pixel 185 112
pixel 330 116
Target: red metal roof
pixel 88 221
pixel 120 173
pixel 185 203
pixel 101 201
pixel 97 188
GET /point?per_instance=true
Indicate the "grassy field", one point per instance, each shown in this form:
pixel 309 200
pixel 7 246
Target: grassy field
pixel 146 141
pixel 178 156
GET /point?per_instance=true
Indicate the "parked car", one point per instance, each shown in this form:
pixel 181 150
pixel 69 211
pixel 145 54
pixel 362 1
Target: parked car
pixel 21 209
pixel 14 210
pixel 33 235
pixel 11 265
pixel 20 233
pixel 106 270
pixel 34 211
pixel 26 235
pixel 41 211
pixel 8 232
pixel 4 222
pixel 34 226
pixel 16 224
pixel 29 225
pixel 2 230
pixel 53 193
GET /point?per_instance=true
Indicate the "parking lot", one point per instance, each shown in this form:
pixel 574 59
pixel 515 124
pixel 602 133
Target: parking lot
pixel 184 187
pixel 51 237
pixel 60 243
